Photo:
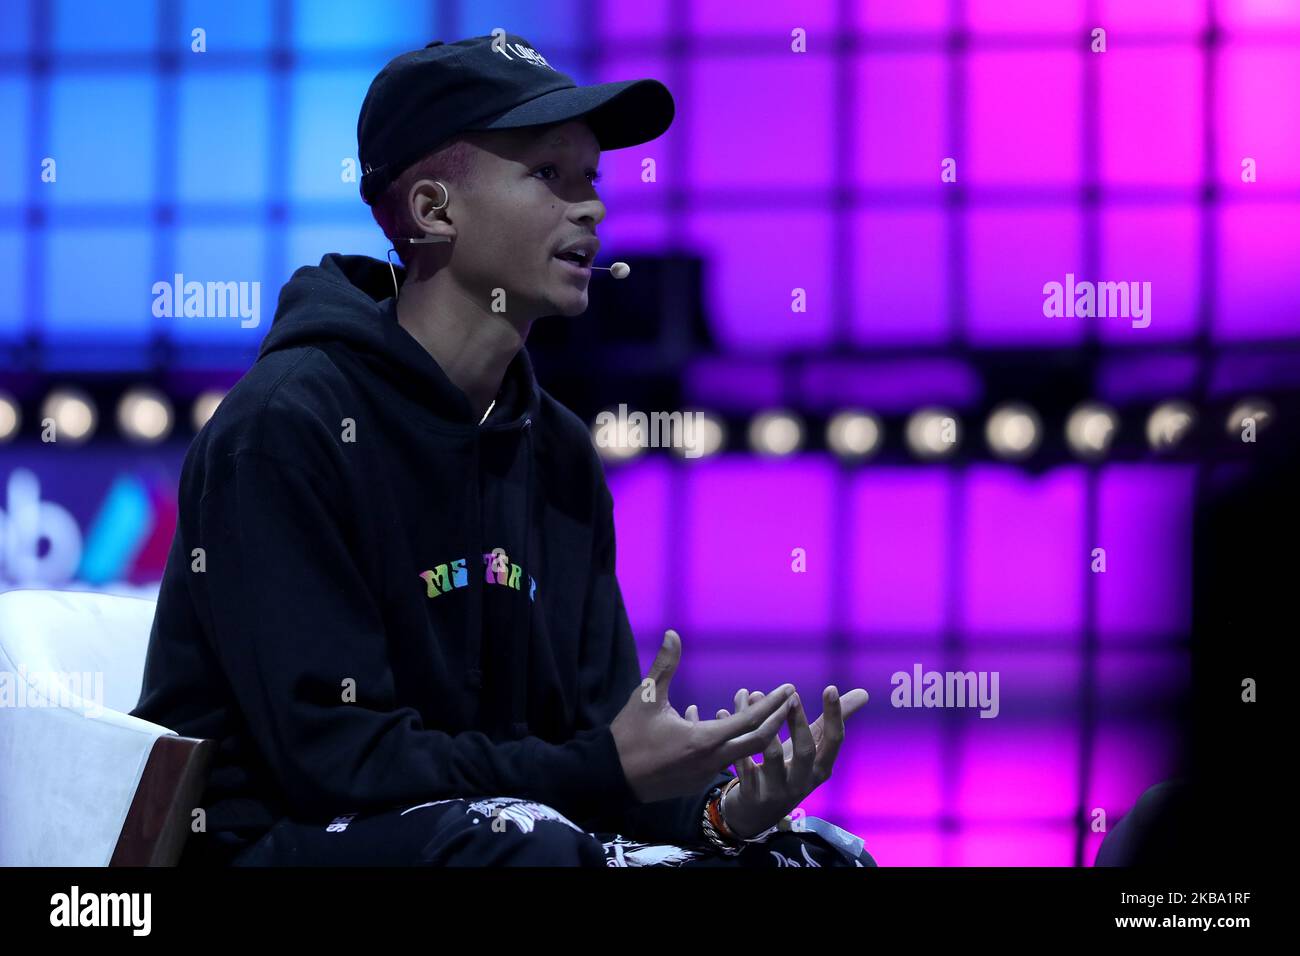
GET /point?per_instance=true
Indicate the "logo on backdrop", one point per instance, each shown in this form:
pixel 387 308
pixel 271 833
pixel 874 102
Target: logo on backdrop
pixel 42 543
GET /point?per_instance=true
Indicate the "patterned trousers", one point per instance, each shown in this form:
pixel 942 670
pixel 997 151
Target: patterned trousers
pixel 507 831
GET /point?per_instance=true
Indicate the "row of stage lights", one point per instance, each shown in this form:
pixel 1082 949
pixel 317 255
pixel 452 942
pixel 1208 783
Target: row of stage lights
pixel 1013 430
pixel 145 416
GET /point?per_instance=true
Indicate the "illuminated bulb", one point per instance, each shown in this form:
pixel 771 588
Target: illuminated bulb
pixel 853 434
pixel 1091 428
pixel 73 414
pixel 1168 424
pixel 10 417
pixel 1253 412
pixel 775 433
pixel 1013 431
pixel 933 433
pixel 205 406
pixel 144 415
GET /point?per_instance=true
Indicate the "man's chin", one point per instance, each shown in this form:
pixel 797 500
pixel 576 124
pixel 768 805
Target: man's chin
pixel 571 306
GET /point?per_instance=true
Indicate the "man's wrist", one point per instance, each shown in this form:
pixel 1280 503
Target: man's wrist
pixel 727 821
pixel 716 832
pixel 743 835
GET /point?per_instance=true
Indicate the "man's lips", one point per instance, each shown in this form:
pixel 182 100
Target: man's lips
pixel 577 269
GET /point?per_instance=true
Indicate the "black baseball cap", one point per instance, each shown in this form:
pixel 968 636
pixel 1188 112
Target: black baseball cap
pixel 423 98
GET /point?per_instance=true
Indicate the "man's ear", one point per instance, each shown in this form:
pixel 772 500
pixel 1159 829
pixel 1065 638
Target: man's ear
pixel 423 196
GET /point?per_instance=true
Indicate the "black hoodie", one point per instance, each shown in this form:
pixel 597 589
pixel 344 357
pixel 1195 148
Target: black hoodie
pixel 332 612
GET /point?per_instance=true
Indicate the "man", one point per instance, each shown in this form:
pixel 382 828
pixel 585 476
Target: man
pixel 391 594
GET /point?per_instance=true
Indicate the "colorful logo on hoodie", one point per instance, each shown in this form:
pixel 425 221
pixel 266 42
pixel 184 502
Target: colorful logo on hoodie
pixel 497 569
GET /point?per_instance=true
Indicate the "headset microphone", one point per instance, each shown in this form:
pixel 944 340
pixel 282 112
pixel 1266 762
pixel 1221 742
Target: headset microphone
pixel 619 270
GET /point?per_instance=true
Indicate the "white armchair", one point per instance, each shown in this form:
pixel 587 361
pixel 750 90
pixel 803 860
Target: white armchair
pixel 82 782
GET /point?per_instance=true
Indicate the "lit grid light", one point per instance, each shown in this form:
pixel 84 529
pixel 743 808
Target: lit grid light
pixel 70 413
pixel 144 416
pixel 854 434
pixel 10 417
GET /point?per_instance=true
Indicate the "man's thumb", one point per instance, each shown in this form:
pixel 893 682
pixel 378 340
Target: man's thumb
pixel 665 664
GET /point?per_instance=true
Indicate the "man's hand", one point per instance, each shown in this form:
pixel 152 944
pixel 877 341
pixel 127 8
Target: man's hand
pixel 790 770
pixel 665 755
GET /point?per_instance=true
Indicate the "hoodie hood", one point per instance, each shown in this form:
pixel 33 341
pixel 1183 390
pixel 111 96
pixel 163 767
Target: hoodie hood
pixel 346 301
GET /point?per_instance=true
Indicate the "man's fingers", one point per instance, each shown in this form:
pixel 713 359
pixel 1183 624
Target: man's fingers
pixel 773 767
pixel 693 714
pixel 745 766
pixel 852 701
pixel 804 749
pixel 832 730
pixel 665 664
pixel 771 709
pixel 754 716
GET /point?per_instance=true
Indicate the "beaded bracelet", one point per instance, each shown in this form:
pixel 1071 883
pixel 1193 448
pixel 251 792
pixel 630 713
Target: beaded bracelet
pixel 715 827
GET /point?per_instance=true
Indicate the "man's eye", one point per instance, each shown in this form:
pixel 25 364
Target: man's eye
pixel 594 175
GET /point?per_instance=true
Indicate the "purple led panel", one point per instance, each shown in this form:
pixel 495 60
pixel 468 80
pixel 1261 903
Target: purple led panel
pixel 1024 16
pixel 901 131
pixel 1023 556
pixel 1144 521
pixel 1232 375
pixel 627 231
pixel 1011 254
pixel 891 16
pixel 1259 248
pixel 1160 245
pixel 901 845
pixel 744 516
pixel 901 277
pixel 1018 773
pixel 644 553
pixel 1034 686
pixel 1257 15
pixel 732 384
pixel 1137 685
pixel 901 523
pixel 760 121
pixel 1257 95
pixel 768 18
pixel 1156 16
pixel 1022 117
pixel 887 384
pixel 981 844
pixel 1128 377
pixel 643 20
pixel 755 261
pixel 1151 116
pixel 891 766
